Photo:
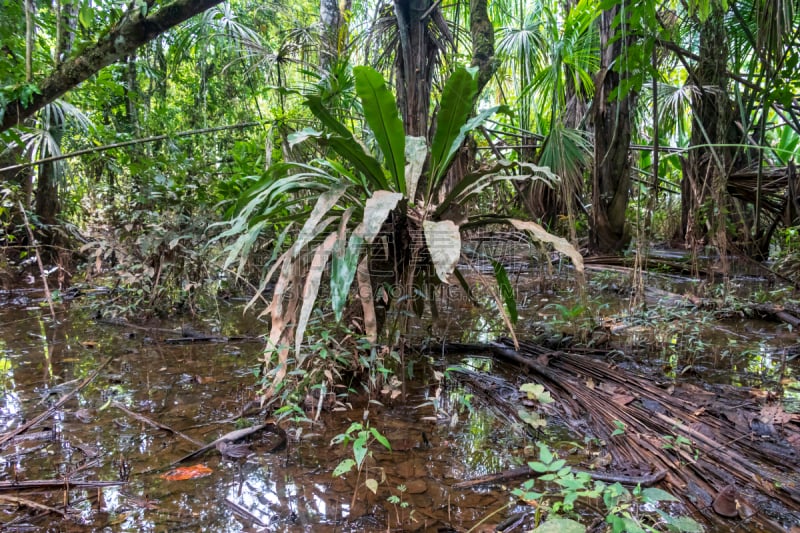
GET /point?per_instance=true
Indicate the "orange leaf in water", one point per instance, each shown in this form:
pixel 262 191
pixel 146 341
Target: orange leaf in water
pixel 186 472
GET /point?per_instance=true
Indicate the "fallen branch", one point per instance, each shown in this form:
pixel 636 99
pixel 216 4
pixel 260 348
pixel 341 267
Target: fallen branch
pixel 25 502
pixel 64 399
pixel 132 142
pixel 231 436
pixel 155 424
pixel 209 338
pixel 244 513
pixel 57 484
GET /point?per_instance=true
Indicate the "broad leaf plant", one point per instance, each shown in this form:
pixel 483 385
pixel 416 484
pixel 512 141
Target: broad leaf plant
pixel 349 199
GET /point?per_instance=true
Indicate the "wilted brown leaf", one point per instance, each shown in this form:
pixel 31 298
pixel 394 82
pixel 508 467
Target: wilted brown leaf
pixel 774 414
pixel 622 399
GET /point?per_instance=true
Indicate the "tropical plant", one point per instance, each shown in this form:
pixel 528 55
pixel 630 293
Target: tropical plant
pixel 360 437
pixel 626 510
pixel 397 193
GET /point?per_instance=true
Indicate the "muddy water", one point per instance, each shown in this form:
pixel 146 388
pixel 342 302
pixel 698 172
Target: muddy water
pixel 439 431
pixel 438 438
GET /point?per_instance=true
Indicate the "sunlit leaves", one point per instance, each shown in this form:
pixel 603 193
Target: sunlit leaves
pixel 654 495
pixel 380 438
pixel 537 392
pixel 86 14
pixel 534 420
pixel 343 467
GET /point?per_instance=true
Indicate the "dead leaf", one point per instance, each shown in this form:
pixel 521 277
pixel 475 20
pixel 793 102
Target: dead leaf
pixel 774 414
pixel 794 440
pixel 91 345
pixel 622 399
pixel 84 415
pixel 611 388
pixel 186 472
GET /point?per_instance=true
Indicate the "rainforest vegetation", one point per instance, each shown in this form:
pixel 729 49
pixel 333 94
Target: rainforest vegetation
pixel 182 145
pixel 334 163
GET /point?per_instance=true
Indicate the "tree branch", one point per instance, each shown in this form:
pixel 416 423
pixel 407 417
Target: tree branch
pixel 128 35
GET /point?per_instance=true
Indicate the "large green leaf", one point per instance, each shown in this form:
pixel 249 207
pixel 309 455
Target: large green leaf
pixel 456 143
pixel 349 149
pixel 458 97
pixel 315 105
pixel 343 270
pixel 380 111
pixel 506 290
pixel 354 152
pixel 444 244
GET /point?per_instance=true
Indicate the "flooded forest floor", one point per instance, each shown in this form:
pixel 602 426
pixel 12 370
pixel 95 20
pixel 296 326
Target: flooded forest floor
pixel 697 405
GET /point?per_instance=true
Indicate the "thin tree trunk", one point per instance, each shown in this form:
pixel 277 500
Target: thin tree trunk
pixel 334 31
pixel 482 33
pixel 704 210
pixel 30 35
pixel 415 64
pixel 132 96
pixel 612 134
pixel 47 205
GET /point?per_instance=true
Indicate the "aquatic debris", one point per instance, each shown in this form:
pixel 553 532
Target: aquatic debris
pixel 182 473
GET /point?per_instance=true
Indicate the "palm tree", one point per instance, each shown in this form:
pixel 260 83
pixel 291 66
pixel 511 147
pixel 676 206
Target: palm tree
pixel 612 115
pixel 554 54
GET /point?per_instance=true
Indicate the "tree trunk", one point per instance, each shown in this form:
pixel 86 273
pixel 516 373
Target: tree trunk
pixel 122 40
pixel 132 96
pixel 705 176
pixel 47 205
pixel 415 64
pixel 482 33
pixel 612 134
pixel 30 35
pixel 66 20
pixel 334 31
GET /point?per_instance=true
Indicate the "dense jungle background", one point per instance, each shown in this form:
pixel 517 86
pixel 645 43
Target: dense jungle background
pixel 400 248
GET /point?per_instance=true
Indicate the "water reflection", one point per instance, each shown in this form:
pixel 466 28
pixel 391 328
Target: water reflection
pixel 192 388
